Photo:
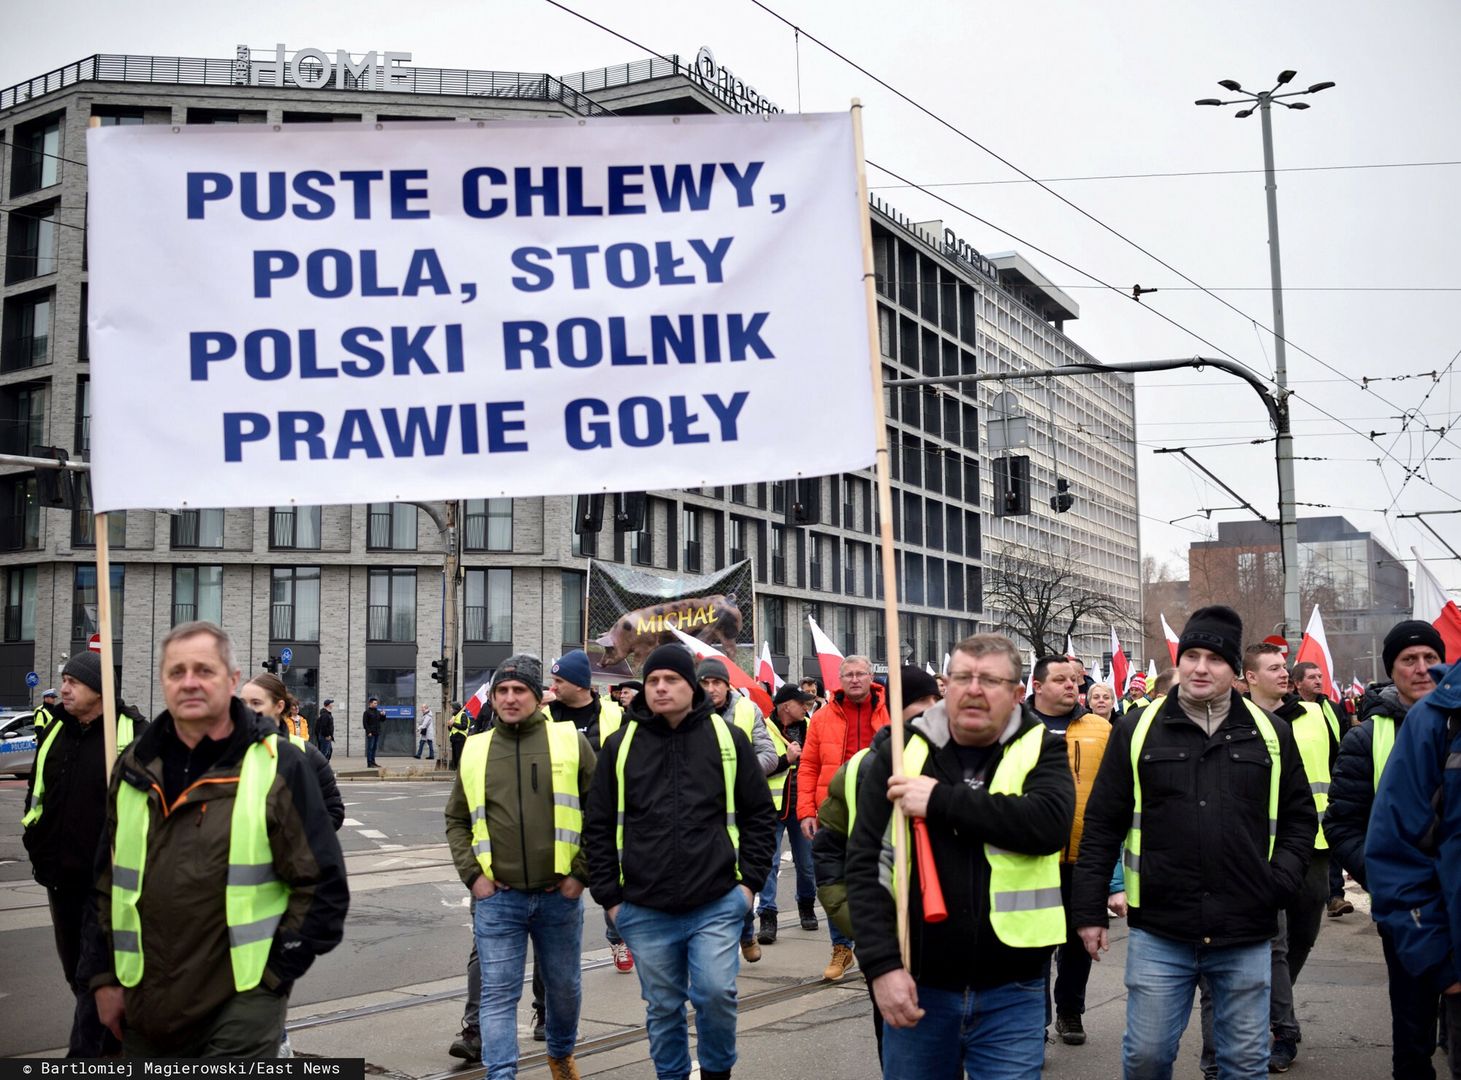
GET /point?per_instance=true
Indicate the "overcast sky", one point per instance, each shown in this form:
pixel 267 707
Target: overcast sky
pixel 1068 90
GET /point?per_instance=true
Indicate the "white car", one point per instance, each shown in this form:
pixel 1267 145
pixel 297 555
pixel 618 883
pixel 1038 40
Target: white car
pixel 17 743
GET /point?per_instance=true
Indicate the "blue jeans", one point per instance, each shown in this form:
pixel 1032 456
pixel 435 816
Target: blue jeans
pixel 995 1034
pixel 371 742
pixel 1161 976
pixel 327 747
pixel 428 746
pixel 502 924
pixel 690 954
pixel 801 859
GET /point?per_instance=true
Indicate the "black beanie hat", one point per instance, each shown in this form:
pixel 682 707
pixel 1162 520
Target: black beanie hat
pixel 918 684
pixel 85 668
pixel 1218 629
pixel 672 657
pixel 1411 632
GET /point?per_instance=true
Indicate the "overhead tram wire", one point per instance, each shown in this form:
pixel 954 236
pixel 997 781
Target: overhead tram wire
pixel 1177 174
pixel 1435 445
pixel 1046 188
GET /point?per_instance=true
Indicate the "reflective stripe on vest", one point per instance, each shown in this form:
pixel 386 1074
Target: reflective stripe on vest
pixel 567 807
pixel 42 718
pixel 1313 734
pixel 850 775
pixel 1332 718
pixel 254 898
pixel 1131 859
pixel 777 782
pixel 1025 910
pixel 1384 742
pixel 728 774
pixel 124 736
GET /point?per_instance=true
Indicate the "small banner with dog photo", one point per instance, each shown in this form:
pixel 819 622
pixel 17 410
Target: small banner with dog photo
pixel 631 611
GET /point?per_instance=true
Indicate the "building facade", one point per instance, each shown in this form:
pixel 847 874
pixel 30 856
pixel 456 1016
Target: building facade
pixel 355 592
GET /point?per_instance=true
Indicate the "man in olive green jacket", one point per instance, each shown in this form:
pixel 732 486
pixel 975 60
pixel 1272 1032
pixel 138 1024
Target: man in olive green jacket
pixel 513 822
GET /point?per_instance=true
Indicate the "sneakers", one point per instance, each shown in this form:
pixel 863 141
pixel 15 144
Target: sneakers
pixel 564 1068
pixel 1282 1055
pixel 540 1031
pixel 808 914
pixel 468 1047
pixel 750 950
pixel 838 965
pixel 1338 906
pixel 767 934
pixel 1070 1029
pixel 623 958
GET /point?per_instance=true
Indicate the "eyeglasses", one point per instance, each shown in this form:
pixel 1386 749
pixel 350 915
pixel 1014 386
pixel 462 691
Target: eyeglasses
pixel 964 679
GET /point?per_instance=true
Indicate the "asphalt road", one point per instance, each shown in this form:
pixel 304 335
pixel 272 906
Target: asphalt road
pixel 392 991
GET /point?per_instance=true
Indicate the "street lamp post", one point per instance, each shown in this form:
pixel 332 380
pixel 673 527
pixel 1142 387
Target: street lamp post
pixel 1263 101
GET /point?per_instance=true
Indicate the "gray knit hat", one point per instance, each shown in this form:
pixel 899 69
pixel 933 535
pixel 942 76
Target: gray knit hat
pixel 712 668
pixel 85 668
pixel 523 668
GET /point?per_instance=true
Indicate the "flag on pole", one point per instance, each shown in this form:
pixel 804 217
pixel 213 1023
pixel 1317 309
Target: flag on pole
pixel 947 658
pixel 1356 687
pixel 1151 672
pixel 766 671
pixel 829 657
pixel 1434 606
pixel 738 678
pixel 1120 669
pixel 1069 646
pixel 1314 649
pixel 479 699
pixel 1172 638
pixel 1030 678
pixel 929 669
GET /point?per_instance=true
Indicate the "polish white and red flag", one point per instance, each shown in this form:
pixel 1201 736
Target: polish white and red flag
pixel 1314 649
pixel 766 671
pixel 1172 638
pixel 739 680
pixel 474 706
pixel 829 658
pixel 1120 669
pixel 1433 605
pixel 1356 687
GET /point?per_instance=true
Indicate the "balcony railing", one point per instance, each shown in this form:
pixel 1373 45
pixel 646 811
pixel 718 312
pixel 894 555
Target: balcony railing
pixel 12 623
pixel 281 529
pixel 384 624
pixel 182 613
pixel 281 622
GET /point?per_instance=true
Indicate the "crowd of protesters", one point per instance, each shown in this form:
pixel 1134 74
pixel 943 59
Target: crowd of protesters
pixel 1216 810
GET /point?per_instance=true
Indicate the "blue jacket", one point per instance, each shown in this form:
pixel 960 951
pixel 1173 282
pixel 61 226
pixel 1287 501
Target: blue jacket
pixel 1415 879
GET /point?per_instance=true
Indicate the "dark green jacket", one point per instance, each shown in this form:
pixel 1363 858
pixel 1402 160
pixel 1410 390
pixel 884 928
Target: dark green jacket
pixel 519 808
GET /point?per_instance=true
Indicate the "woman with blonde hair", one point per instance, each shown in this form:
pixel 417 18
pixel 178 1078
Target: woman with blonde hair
pixel 267 695
pixel 1101 700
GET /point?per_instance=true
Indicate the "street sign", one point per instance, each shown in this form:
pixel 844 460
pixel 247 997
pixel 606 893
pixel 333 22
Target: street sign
pixel 32 680
pixel 1274 639
pixel 286 655
pixel 94 643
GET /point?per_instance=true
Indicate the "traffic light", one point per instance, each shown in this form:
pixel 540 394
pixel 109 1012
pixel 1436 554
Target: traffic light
pixel 54 486
pixel 1011 486
pixel 629 511
pixel 1062 500
pixel 271 665
pixel 441 671
pixel 588 514
pixel 804 501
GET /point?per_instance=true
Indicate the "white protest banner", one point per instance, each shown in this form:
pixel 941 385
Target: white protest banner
pixel 361 313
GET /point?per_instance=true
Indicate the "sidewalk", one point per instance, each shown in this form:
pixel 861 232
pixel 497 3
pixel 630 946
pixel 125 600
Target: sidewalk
pixel 391 767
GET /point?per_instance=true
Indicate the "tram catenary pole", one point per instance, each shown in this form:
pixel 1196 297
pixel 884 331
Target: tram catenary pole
pixel 1274 401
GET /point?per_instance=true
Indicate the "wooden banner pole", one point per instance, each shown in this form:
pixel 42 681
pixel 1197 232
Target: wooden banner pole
pixel 104 624
pixel 885 514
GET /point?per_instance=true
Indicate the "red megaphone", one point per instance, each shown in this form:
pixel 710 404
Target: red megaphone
pixel 934 910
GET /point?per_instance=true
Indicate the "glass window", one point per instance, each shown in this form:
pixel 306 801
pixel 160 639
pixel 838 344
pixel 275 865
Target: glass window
pixel 83 415
pixel 197 593
pixel 20 603
pixel 294 612
pixel 20 516
pixel 391 527
pixel 197 529
pixel 913 589
pixel 738 549
pixel 27 341
pixel 912 518
pixel 84 621
pixel 83 522
pixel 489 606
pixel 394 686
pixel 573 584
pixel 295 528
pixel 37 156
pixel 778 554
pixel 690 525
pixel 391 605
pixel 489 525
pixel 32 248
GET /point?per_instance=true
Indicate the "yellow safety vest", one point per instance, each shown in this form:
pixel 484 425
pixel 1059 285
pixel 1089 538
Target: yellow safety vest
pixel 567 807
pixel 1024 890
pixel 728 772
pixel 461 723
pixel 776 783
pixel 1131 859
pixel 254 899
pixel 124 736
pixel 1384 742
pixel 42 718
pixel 1333 719
pixel 611 718
pixel 850 774
pixel 1313 734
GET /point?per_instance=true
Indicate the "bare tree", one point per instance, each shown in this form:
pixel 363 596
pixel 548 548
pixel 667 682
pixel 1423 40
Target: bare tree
pixel 1044 595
